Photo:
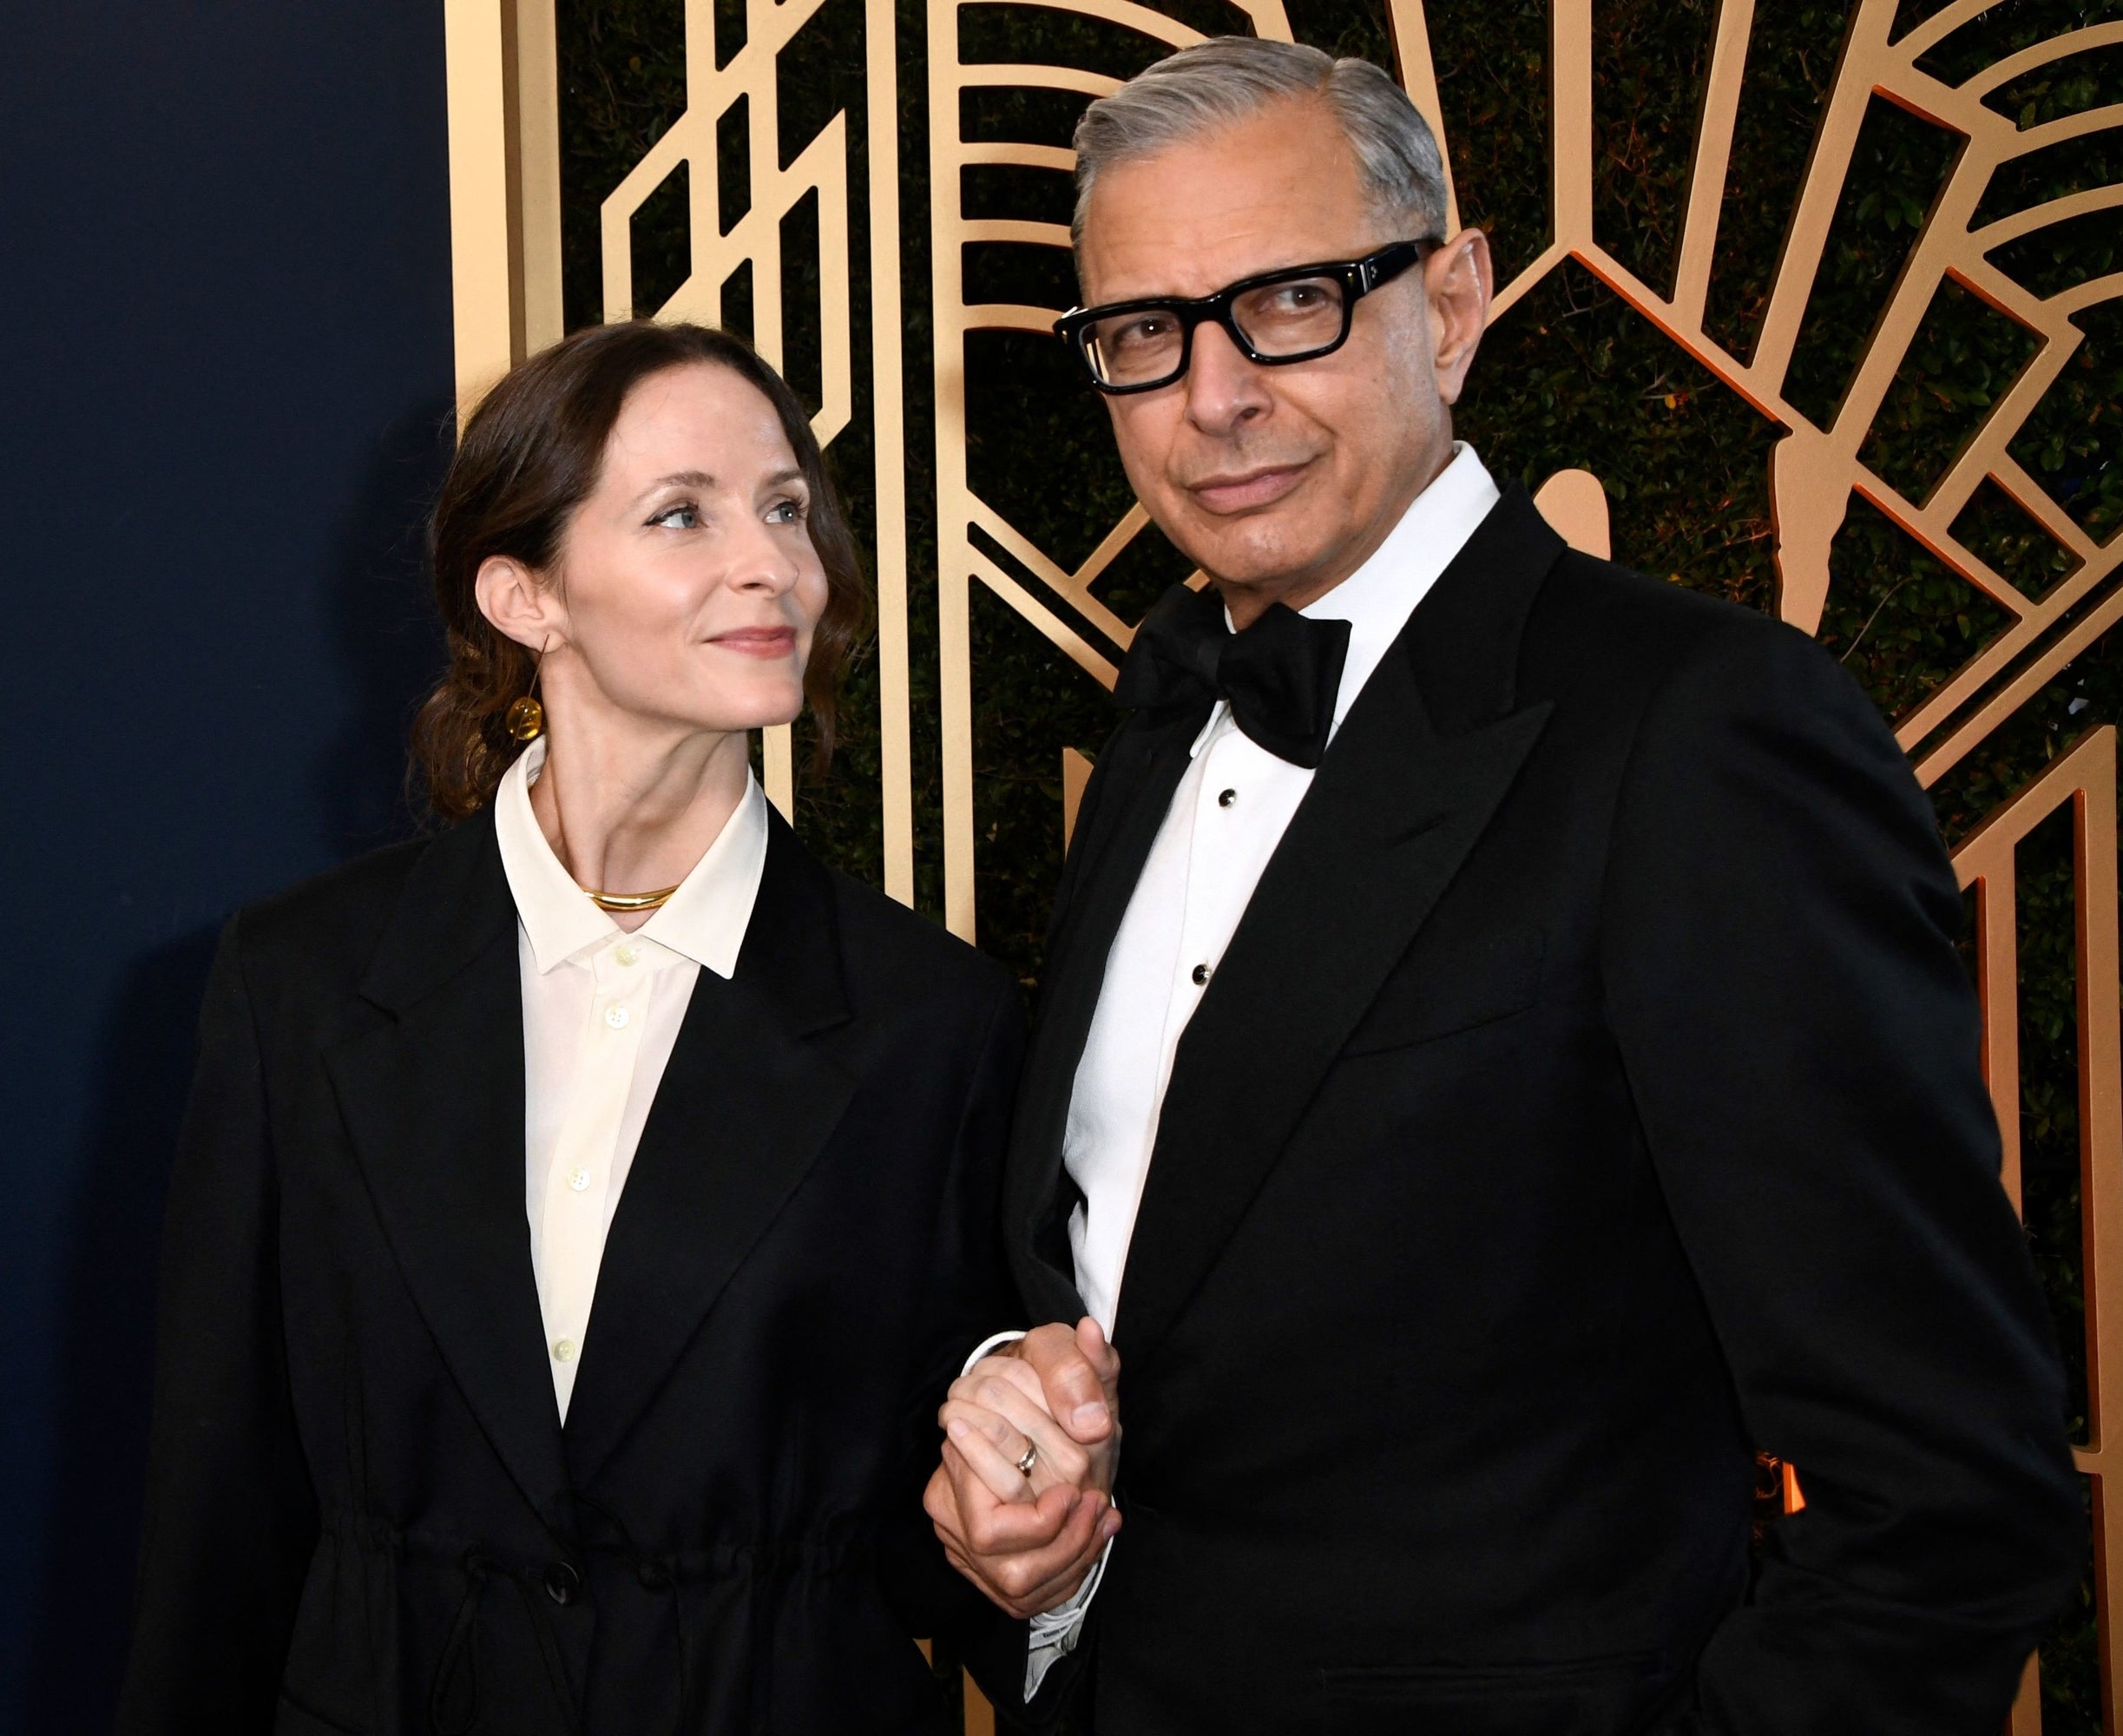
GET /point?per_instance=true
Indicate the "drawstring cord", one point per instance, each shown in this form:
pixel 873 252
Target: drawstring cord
pixel 459 1648
pixel 655 1577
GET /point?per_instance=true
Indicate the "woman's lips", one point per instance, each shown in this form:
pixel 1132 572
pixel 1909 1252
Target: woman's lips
pixel 1251 488
pixel 758 641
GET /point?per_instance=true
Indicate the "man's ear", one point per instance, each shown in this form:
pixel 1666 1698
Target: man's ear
pixel 516 604
pixel 1459 280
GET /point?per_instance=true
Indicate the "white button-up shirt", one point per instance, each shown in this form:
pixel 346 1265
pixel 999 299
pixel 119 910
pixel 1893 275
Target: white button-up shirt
pixel 1229 813
pixel 1226 818
pixel 602 1012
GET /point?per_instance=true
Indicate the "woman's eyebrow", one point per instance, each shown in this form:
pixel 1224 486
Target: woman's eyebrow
pixel 698 479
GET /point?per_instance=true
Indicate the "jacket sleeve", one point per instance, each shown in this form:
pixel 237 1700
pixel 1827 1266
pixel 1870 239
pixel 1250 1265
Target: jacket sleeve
pixel 971 1291
pixel 1801 1039
pixel 230 1521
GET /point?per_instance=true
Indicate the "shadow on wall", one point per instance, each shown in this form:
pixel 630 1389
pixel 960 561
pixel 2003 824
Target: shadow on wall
pixel 385 639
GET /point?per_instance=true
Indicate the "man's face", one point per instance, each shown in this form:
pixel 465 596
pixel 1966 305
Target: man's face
pixel 1279 482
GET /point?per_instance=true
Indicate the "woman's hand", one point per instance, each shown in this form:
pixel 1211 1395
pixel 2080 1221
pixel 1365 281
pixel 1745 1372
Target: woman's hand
pixel 1023 1502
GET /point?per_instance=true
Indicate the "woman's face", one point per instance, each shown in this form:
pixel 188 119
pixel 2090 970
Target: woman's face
pixel 688 587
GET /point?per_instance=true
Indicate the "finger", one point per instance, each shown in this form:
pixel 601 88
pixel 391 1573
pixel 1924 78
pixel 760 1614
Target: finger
pixel 990 1527
pixel 1037 1580
pixel 1022 1590
pixel 992 1446
pixel 1075 1394
pixel 940 1502
pixel 1098 1533
pixel 1105 1360
pixel 1056 1457
pixel 1020 1374
pixel 1024 1584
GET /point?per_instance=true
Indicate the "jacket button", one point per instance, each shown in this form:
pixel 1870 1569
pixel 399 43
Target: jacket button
pixel 563 1583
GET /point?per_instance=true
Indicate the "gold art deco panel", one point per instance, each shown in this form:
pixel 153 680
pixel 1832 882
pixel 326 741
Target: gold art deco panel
pixel 505 188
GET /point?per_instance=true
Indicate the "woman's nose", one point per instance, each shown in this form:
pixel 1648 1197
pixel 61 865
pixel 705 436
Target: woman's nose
pixel 766 562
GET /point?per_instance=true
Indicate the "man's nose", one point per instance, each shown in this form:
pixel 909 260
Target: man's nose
pixel 1222 388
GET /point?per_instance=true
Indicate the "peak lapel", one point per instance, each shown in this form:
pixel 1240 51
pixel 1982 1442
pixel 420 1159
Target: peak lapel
pixel 1145 761
pixel 1411 782
pixel 433 1102
pixel 745 1106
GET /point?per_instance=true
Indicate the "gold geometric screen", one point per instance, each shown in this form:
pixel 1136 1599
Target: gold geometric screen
pixel 507 268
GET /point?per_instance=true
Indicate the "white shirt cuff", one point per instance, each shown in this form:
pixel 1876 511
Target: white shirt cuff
pixel 988 1344
pixel 1055 1632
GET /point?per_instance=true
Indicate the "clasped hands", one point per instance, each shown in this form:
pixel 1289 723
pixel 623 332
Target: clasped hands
pixel 1024 1498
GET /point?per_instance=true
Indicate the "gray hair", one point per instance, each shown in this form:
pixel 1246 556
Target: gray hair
pixel 1228 79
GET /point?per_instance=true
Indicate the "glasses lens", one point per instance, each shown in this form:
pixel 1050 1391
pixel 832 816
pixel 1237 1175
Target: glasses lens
pixel 1290 318
pixel 1128 349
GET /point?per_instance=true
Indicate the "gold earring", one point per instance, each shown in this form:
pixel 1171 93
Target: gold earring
pixel 526 717
pixel 526 720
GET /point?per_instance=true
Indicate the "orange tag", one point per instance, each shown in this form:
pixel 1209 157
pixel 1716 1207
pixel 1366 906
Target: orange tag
pixel 1794 1497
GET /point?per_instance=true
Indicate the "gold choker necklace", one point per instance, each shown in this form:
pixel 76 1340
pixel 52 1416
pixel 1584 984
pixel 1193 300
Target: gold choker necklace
pixel 624 904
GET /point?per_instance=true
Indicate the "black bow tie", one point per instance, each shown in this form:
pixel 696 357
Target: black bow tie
pixel 1279 677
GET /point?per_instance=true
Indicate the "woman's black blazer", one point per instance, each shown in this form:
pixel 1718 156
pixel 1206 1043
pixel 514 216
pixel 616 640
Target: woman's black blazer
pixel 362 1512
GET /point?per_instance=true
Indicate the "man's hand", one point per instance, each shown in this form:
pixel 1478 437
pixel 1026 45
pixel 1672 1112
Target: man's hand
pixel 1027 1536
pixel 1080 1380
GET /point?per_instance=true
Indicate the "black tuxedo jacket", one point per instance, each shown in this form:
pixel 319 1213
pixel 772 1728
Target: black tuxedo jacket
pixel 1588 1097
pixel 364 1515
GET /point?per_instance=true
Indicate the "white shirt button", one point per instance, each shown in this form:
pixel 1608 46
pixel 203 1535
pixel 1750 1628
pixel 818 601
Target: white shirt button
pixel 625 955
pixel 563 1349
pixel 578 1178
pixel 615 1018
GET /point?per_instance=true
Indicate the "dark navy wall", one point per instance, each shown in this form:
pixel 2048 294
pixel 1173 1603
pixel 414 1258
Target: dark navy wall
pixel 225 308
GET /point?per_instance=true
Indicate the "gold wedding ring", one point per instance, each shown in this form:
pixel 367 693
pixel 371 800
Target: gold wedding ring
pixel 1027 1459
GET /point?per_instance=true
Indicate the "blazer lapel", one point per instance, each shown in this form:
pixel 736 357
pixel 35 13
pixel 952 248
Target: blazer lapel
pixel 1412 781
pixel 744 1107
pixel 433 1102
pixel 1145 762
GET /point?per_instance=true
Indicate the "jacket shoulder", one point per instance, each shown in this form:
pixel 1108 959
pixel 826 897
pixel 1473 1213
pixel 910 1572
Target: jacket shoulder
pixel 1598 625
pixel 890 949
pixel 325 927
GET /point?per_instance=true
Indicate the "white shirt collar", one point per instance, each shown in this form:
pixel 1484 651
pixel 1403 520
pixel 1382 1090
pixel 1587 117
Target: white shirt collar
pixel 1377 598
pixel 705 920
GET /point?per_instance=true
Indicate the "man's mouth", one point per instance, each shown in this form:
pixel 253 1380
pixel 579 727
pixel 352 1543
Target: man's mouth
pixel 1238 490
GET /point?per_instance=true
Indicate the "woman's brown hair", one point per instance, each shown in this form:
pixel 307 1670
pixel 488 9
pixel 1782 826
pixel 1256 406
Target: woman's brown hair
pixel 526 459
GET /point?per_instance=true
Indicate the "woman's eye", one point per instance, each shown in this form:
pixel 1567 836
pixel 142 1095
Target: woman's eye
pixel 785 512
pixel 686 518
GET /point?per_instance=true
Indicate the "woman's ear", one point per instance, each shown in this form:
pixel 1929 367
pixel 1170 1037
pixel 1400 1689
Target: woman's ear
pixel 519 606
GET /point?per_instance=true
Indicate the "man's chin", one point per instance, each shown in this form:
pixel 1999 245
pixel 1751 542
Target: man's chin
pixel 1256 562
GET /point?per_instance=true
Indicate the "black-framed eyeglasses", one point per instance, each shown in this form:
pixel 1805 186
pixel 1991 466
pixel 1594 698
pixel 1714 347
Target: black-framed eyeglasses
pixel 1291 315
